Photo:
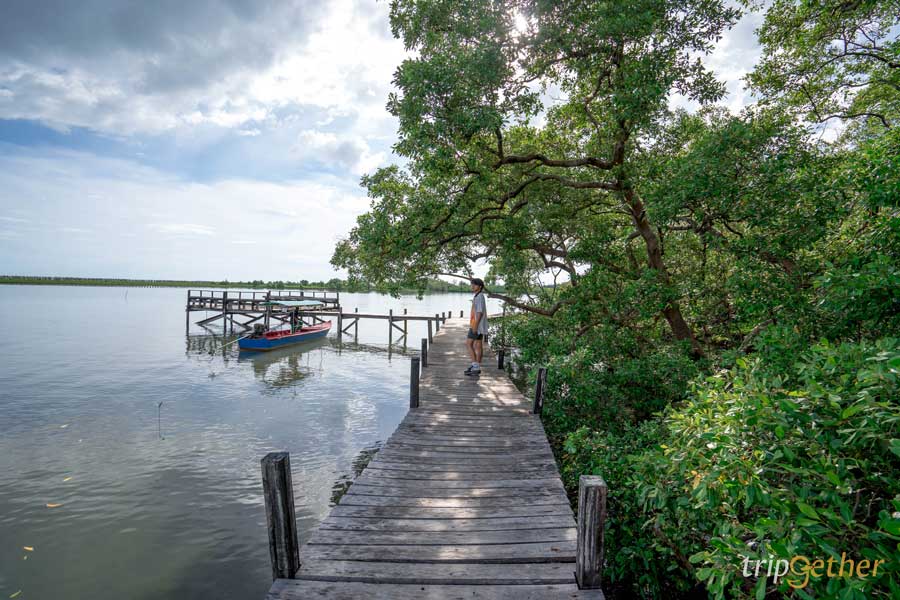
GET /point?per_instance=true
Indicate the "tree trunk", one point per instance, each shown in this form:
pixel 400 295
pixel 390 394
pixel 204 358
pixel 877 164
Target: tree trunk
pixel 672 311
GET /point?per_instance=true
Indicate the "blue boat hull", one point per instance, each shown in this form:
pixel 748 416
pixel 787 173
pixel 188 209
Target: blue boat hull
pixel 263 344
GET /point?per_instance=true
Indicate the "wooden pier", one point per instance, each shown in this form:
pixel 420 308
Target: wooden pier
pixel 227 305
pixel 252 306
pixel 463 501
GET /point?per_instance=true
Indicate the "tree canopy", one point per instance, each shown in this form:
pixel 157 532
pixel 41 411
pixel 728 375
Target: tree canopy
pixel 689 275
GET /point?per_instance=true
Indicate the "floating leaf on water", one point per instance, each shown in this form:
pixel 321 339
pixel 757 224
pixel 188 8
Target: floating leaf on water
pixel 15 594
pixel 67 478
pixel 29 548
pixel 53 505
pixel 63 426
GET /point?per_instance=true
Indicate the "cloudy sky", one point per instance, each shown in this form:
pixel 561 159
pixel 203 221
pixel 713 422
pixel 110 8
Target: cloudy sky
pixel 207 139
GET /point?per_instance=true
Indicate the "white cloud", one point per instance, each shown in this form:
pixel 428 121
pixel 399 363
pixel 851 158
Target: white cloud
pixel 146 223
pixel 179 229
pixel 220 68
pixel 733 57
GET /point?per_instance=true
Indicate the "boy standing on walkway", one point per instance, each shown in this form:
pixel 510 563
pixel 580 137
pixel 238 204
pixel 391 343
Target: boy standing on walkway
pixel 478 327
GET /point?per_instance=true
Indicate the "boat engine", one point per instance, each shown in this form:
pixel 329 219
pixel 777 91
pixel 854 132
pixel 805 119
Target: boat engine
pixel 258 329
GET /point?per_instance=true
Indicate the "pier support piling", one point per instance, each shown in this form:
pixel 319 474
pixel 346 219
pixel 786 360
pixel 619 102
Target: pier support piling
pixel 224 313
pixel 592 492
pixel 539 385
pixel 414 382
pixel 430 336
pixel 278 492
pixel 424 353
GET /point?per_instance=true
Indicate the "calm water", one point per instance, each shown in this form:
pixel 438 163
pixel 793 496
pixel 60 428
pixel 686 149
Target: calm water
pixel 159 501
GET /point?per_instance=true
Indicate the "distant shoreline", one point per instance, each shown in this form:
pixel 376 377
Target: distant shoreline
pixel 177 283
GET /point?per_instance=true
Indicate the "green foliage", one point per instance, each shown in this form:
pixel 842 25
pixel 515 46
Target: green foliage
pixel 716 295
pixel 759 464
pixel 832 59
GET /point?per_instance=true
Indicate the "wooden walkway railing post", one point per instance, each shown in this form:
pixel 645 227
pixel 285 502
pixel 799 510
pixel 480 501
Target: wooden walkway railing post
pixel 437 322
pixel 430 336
pixel 592 492
pixel 539 385
pixel 500 357
pixel 390 326
pixel 278 493
pixel 414 382
pixel 424 353
pixel 224 312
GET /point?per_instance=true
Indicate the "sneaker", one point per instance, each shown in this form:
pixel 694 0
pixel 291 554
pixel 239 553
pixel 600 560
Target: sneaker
pixel 472 370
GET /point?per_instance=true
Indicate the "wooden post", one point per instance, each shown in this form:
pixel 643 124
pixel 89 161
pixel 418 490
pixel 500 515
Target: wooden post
pixel 356 325
pixel 340 323
pixel 405 329
pixel 281 521
pixel 404 311
pixel 414 382
pixel 268 309
pixel 500 358
pixel 589 548
pixel 430 337
pixel 390 326
pixel 460 314
pixel 539 385
pixel 224 312
pixel 424 353
pixel 437 322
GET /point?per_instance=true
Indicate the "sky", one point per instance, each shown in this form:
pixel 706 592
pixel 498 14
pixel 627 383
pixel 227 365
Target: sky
pixel 211 139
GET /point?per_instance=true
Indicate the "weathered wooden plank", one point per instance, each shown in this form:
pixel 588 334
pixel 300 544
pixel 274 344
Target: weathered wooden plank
pixel 510 467
pixel 514 574
pixel 413 525
pixel 437 439
pixel 405 512
pixel 366 478
pixel 287 589
pixel 460 453
pixel 437 458
pixel 539 552
pixel 418 490
pixel 439 538
pixel 462 478
pixel 521 500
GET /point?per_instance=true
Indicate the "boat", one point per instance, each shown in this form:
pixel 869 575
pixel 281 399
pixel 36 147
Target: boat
pixel 263 339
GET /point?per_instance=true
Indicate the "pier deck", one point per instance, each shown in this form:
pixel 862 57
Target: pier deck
pixel 463 501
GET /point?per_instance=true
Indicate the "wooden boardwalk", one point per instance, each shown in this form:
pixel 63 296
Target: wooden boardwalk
pixel 463 501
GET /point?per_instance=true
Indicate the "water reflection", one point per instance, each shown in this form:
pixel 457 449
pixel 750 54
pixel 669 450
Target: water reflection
pixel 284 367
pixel 132 449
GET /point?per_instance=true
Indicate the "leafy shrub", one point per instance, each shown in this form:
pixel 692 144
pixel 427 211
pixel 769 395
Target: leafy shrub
pixel 759 465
